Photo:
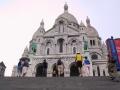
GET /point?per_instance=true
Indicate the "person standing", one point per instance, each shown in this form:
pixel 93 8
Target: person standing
pixel 20 67
pixel 78 60
pixel 25 66
pixel 86 67
pixel 60 68
pixel 45 66
pixel 55 71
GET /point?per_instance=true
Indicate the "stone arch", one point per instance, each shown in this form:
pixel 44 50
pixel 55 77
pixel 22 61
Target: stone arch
pixel 60 43
pixel 48 51
pixel 74 50
pixel 54 70
pixel 48 45
pixel 48 41
pixel 39 70
pixel 74 69
pixel 73 44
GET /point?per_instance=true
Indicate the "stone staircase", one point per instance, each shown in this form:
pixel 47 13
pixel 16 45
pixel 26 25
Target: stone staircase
pixel 58 83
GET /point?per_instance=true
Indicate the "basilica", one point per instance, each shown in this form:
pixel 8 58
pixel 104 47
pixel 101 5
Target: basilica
pixel 66 38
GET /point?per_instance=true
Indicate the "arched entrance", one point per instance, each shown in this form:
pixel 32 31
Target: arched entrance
pixel 55 71
pixel 39 71
pixel 74 69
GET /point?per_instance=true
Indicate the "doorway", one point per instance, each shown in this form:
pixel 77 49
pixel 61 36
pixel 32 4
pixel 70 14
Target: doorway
pixel 74 69
pixel 39 71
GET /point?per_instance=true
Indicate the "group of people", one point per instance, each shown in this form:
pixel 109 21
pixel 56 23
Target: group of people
pixel 23 66
pixel 82 65
pixel 58 69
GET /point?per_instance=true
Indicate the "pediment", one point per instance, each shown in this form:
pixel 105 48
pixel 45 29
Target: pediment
pixel 54 31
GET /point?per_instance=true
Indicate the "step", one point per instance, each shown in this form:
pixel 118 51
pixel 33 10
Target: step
pixel 58 83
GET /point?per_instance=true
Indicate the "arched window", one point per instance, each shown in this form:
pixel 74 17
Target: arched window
pixel 38 40
pixel 74 41
pixel 61 27
pixel 83 38
pixel 48 51
pixel 94 57
pixel 60 42
pixel 74 50
pixel 48 43
pixel 61 22
pixel 91 42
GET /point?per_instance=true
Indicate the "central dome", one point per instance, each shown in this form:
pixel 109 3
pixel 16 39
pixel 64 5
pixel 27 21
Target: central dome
pixel 69 17
pixel 66 15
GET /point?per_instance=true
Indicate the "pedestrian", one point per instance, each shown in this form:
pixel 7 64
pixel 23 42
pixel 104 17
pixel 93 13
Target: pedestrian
pixel 78 60
pixel 25 66
pixel 45 66
pixel 60 67
pixel 86 67
pixel 55 71
pixel 20 67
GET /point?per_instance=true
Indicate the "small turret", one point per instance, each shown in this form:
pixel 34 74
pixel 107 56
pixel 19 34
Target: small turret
pixel 65 7
pixel 40 30
pixel 82 24
pixel 25 53
pixel 104 50
pixel 88 21
pixel 82 27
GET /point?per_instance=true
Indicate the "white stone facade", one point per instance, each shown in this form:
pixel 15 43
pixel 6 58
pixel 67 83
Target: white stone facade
pixel 64 40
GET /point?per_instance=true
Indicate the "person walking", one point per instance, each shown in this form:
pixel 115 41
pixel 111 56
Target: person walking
pixel 78 60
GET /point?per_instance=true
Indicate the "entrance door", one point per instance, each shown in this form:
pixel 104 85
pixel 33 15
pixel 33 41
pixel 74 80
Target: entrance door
pixel 74 69
pixel 39 70
pixel 55 71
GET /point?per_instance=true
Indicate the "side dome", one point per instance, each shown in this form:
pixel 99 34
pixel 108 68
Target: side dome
pixel 91 31
pixel 40 31
pixel 66 15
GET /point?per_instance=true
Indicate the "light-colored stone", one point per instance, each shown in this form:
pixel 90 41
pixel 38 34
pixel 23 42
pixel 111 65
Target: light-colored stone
pixel 71 36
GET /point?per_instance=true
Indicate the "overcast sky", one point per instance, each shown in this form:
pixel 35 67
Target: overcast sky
pixel 19 19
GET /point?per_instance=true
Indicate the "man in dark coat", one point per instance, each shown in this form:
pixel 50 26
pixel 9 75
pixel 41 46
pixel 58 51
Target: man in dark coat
pixel 45 66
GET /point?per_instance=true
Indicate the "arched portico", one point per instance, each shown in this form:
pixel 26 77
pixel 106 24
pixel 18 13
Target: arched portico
pixel 39 71
pixel 74 69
